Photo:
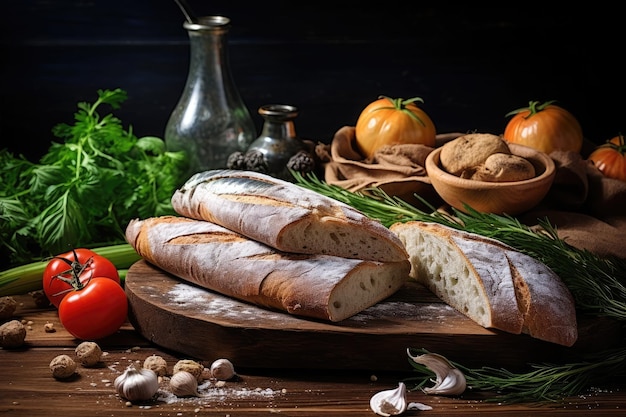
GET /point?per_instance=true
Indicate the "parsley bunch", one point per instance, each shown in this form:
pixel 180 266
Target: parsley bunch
pixel 85 189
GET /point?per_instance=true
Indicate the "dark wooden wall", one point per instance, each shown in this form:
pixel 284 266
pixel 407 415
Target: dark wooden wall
pixel 471 64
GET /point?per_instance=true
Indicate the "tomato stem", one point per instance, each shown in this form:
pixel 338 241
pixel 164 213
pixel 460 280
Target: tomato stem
pixel 619 147
pixel 76 270
pixel 533 108
pixel 401 105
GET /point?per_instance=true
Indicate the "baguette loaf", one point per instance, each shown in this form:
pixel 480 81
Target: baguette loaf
pixel 285 216
pixel 490 282
pixel 316 286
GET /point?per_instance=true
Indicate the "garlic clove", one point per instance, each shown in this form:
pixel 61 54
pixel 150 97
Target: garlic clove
pixel 390 402
pixel 222 369
pixel 449 379
pixel 184 384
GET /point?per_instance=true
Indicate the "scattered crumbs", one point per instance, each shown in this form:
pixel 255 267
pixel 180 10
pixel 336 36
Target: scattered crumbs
pixel 373 378
pixel 93 384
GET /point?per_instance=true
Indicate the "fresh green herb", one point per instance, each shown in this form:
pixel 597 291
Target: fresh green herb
pixel 597 284
pixel 87 188
pixel 543 382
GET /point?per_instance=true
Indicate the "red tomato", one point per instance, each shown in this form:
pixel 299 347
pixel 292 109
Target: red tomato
pixel 545 127
pixel 84 264
pixel 94 311
pixel 388 121
pixel 610 158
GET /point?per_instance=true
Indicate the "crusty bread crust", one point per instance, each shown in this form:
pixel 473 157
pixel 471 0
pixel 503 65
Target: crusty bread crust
pixel 490 282
pixel 317 286
pixel 285 216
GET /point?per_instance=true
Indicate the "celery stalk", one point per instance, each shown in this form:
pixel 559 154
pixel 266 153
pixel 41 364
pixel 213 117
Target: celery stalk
pixel 25 278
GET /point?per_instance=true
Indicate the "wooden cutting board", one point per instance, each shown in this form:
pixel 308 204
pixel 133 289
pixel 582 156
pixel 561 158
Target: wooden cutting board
pixel 205 325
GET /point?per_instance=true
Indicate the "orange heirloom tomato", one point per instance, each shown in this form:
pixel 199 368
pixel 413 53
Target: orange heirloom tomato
pixel 545 127
pixel 610 158
pixel 388 121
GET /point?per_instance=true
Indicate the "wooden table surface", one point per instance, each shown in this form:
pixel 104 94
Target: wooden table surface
pixel 27 387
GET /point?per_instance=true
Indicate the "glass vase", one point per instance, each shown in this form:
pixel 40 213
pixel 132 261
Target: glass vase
pixel 210 120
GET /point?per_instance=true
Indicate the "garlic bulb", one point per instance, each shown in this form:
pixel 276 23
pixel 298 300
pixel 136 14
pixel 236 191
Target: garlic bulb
pixel 222 369
pixel 184 384
pixel 390 402
pixel 137 384
pixel 449 379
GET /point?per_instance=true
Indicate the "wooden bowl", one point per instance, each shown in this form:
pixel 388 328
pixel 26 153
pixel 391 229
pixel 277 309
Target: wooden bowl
pixel 511 198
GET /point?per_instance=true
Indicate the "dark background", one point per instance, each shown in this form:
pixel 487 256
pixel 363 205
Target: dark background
pixel 471 64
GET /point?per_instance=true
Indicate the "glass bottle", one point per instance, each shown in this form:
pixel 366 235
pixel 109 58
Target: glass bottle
pixel 278 141
pixel 210 120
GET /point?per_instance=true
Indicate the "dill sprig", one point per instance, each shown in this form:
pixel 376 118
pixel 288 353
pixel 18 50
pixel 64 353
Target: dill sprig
pixel 597 284
pixel 544 382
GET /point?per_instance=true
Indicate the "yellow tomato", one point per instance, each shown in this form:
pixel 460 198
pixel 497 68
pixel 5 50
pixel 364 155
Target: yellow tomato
pixel 610 158
pixel 545 127
pixel 388 121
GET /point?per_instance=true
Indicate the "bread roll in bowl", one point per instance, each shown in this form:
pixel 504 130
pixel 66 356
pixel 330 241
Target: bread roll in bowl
pixel 510 197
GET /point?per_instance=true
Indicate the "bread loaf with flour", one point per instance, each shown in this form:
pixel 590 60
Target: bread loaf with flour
pixel 316 286
pixel 490 282
pixel 285 216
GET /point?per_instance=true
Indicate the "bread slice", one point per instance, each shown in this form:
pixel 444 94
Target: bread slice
pixel 490 282
pixel 316 286
pixel 285 216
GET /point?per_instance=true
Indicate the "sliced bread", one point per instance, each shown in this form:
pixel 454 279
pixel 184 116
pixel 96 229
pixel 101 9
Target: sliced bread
pixel 316 286
pixel 490 282
pixel 285 216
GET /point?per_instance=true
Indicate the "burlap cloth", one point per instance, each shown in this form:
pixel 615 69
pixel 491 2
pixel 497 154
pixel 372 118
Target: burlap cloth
pixel 588 209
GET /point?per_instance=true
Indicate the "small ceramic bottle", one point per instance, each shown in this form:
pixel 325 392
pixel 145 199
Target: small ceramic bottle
pixel 278 141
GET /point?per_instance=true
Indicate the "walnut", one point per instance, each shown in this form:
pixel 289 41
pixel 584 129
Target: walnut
pixel 190 366
pixel 12 334
pixel 62 367
pixel 88 353
pixel 8 305
pixel 157 364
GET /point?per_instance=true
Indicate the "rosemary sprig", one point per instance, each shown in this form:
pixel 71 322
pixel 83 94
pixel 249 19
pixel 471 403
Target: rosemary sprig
pixel 544 382
pixel 597 284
